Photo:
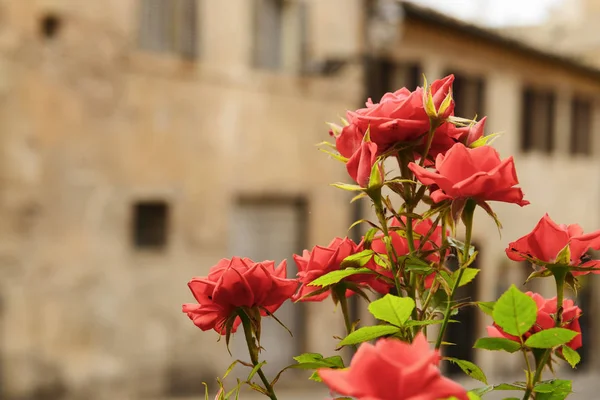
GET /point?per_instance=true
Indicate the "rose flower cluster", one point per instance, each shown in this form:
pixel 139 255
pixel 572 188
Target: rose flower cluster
pixel 446 163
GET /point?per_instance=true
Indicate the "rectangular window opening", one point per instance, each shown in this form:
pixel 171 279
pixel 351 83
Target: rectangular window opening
pixel 150 225
pixel 169 26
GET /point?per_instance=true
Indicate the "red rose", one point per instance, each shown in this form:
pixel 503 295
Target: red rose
pixel 393 370
pixel 349 140
pixel 398 117
pixel 545 320
pixel 547 239
pixel 320 261
pixel 360 164
pixel 472 173
pixel 400 245
pixel 239 282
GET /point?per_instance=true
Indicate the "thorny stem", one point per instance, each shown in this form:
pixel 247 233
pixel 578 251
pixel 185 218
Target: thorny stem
pixel 253 350
pixel 468 220
pixel 559 277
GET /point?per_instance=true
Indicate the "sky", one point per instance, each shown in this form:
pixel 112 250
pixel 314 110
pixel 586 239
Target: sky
pixel 495 12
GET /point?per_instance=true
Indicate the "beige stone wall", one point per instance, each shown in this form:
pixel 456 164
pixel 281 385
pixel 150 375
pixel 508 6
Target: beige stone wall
pixel 91 125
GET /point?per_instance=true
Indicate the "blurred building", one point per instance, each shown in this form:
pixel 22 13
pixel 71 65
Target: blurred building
pixel 571 30
pixel 143 140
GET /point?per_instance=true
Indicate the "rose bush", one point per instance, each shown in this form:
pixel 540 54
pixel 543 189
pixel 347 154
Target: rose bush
pixel 445 169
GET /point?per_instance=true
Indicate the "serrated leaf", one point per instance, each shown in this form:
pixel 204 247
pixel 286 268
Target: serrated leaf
pixel 509 386
pixel 487 307
pixel 467 276
pixel 334 277
pixel 307 359
pixel 571 356
pixel 393 309
pixel 469 368
pixel 515 312
pixel 489 343
pixel 368 333
pixel 555 389
pixel 357 260
pixel 549 338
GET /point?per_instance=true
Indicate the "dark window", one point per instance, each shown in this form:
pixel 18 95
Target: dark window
pixel 538 109
pixel 50 26
pixel 468 92
pixel 581 121
pixel 464 332
pixel 384 75
pixel 280 35
pixel 273 228
pixel 169 26
pixel 150 224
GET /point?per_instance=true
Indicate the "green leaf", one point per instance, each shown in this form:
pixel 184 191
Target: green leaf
pixel 415 264
pixel 460 245
pixel 473 396
pixel 515 312
pixel 315 377
pixel 482 390
pixel 426 322
pixel 336 276
pixel 555 389
pixel 487 307
pixel 468 275
pixel 347 186
pixel 393 309
pixel 489 343
pixel 357 260
pixel 469 368
pixel 509 386
pixel 549 338
pixel 368 333
pixel 571 356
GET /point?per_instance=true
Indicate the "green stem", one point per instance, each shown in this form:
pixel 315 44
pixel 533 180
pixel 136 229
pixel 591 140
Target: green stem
pixel 432 127
pixel 408 201
pixel 468 220
pixel 388 246
pixel 559 277
pixel 340 294
pixel 253 351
